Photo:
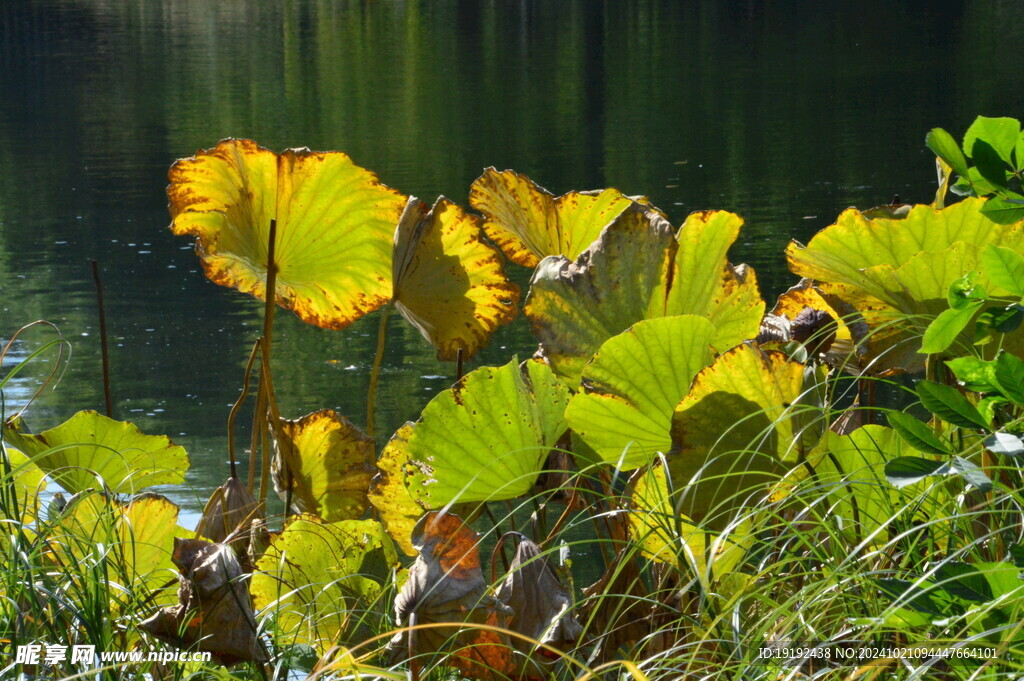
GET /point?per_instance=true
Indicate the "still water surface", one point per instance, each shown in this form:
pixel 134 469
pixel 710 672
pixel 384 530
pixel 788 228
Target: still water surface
pixel 785 115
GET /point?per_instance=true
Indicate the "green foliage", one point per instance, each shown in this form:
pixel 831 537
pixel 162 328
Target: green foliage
pixel 764 504
pixel 996 148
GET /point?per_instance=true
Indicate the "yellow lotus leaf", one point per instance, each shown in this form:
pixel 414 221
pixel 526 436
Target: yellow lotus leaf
pixel 891 268
pixel 639 269
pixel 335 225
pixel 449 283
pixel 734 429
pixel 132 543
pixel 398 511
pixel 323 580
pixel 90 450
pixel 666 536
pixel 27 481
pixel 529 223
pixel 324 461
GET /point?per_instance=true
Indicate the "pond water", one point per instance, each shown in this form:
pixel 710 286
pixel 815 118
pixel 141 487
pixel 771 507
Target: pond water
pixel 785 115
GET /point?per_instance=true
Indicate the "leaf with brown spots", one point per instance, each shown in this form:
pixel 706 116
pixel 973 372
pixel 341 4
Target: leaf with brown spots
pixel 485 438
pixel 335 224
pixel 529 223
pixel 733 430
pixel 639 269
pixel 324 461
pixel 446 586
pixel 447 281
pixel 388 494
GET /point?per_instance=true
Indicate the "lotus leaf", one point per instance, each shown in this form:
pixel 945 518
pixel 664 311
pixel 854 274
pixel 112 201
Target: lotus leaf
pixel 323 462
pixel 89 450
pixel 388 494
pixel 213 612
pixel 485 438
pixel 28 481
pixel 446 586
pixel 661 532
pixel 529 223
pixel 632 386
pixel 447 282
pixel 734 430
pixel 135 541
pixel 638 270
pixel 317 577
pixel 851 469
pixel 890 268
pixel 335 226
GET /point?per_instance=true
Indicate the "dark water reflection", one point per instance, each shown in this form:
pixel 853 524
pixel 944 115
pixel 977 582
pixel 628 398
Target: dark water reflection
pixel 784 114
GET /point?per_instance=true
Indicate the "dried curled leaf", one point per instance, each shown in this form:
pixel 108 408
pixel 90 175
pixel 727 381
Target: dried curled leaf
pixel 541 607
pixel 446 585
pixel 229 514
pixel 213 611
pixel 448 282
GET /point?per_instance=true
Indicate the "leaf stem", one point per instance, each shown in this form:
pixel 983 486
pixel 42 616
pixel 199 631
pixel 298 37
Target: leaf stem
pixel 371 392
pixel 103 339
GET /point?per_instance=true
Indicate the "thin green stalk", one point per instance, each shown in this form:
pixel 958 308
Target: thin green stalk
pixel 371 393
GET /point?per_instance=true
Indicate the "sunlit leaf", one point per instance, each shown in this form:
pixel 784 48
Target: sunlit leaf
pixel 27 480
pixel 949 404
pixel 448 283
pixel 335 226
pixel 89 450
pixel 323 462
pixel 735 428
pixel 889 269
pixel 1000 133
pixel 485 438
pixel 529 223
pixel 320 578
pixel 1004 268
pixel 633 384
pixel 134 541
pixel 638 270
pixel 666 536
pixel 852 470
pixel 946 148
pixel 388 494
pixel 918 435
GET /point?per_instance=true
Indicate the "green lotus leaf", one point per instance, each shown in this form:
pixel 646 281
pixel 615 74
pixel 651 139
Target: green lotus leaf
pixel 486 437
pixel 389 495
pixel 664 536
pixel 131 543
pixel 335 226
pixel 638 270
pixel 851 469
pixel 323 461
pixel 735 429
pixel 632 386
pixel 322 580
pixel 889 269
pixel 528 222
pixel 89 448
pixel 28 481
pixel 447 281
